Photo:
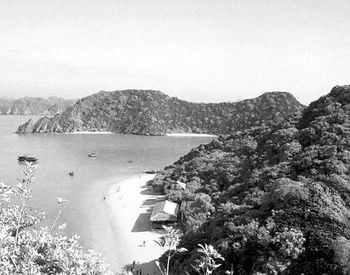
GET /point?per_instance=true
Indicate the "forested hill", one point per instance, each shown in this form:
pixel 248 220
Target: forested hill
pixel 148 112
pixel 271 200
pixel 34 105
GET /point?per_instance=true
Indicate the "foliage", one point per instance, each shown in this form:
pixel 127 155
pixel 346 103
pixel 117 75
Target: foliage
pixel 25 250
pixel 275 198
pixel 206 264
pixel 341 248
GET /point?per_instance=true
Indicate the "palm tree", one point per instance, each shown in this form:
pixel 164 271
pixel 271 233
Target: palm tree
pixel 206 264
pixel 169 242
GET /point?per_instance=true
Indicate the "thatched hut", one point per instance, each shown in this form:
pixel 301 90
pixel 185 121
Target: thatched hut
pixel 164 212
pixel 181 184
pixel 175 188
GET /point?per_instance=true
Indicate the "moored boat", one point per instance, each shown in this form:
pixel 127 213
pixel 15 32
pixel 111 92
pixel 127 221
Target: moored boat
pixel 92 155
pixel 27 158
pixel 152 171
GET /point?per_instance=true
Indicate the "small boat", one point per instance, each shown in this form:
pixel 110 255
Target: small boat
pixel 27 158
pixel 71 173
pixel 152 171
pixel 92 155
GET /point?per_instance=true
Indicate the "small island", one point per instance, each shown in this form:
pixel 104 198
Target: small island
pixel 148 112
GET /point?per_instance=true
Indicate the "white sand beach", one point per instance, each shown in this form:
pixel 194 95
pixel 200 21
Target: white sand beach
pixel 130 204
pixel 189 135
pixel 89 133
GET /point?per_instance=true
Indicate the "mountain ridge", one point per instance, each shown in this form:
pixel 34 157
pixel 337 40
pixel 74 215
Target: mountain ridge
pixel 34 105
pixel 150 112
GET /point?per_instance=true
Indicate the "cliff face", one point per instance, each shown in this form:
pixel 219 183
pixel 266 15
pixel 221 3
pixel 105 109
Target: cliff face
pixel 249 187
pixel 34 105
pixel 149 112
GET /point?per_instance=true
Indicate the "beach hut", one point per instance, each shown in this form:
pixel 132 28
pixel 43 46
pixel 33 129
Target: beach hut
pixel 174 188
pixel 164 212
pixel 181 184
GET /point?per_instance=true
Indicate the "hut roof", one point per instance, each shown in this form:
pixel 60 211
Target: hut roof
pixel 177 186
pixel 181 184
pixel 164 211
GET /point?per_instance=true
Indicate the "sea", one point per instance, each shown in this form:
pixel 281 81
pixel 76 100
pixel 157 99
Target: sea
pixel 118 157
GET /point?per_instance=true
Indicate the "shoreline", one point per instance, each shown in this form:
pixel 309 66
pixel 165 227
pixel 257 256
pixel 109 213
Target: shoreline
pixel 189 135
pixel 165 135
pixel 89 132
pixel 129 205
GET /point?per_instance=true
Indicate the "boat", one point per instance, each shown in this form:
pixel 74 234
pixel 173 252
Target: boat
pixel 71 173
pixel 27 158
pixel 151 171
pixel 92 155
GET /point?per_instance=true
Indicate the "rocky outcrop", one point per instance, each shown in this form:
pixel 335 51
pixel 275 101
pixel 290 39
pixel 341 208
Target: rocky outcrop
pixel 45 125
pixel 26 127
pixel 148 112
pixel 34 105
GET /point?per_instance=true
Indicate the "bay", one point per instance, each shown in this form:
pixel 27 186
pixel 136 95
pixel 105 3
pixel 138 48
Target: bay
pixel 118 157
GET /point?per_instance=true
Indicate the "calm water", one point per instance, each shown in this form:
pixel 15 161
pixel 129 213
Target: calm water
pixel 58 154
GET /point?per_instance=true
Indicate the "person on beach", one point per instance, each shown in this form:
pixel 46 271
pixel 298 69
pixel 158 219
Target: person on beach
pixel 144 243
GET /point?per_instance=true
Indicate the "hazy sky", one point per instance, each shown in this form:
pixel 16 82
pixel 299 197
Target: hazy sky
pixel 195 50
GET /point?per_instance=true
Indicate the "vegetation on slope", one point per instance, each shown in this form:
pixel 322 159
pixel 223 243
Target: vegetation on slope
pixel 148 112
pixel 26 250
pixel 272 199
pixel 34 105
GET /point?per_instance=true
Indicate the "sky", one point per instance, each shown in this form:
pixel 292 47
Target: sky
pixel 203 50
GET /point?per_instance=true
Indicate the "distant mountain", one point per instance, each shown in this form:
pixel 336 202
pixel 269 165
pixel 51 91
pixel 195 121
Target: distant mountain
pixel 148 112
pixel 272 199
pixel 34 105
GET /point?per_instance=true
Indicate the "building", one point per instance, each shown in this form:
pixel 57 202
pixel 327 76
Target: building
pixel 182 185
pixel 164 212
pixel 175 188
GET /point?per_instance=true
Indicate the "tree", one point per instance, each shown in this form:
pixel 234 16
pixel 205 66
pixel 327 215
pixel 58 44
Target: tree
pixel 170 242
pixel 206 264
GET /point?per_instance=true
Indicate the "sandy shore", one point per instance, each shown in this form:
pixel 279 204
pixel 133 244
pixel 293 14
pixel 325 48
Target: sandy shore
pixel 88 132
pixel 168 134
pixel 130 204
pixel 189 135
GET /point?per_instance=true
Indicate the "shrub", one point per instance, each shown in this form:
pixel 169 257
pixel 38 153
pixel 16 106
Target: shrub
pixel 24 250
